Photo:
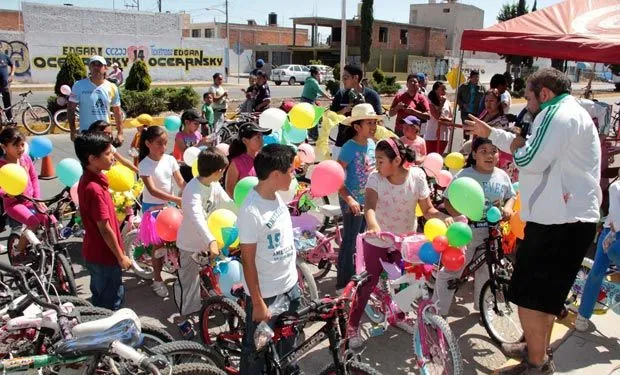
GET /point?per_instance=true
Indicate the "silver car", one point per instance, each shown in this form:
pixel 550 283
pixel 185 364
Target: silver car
pixel 290 73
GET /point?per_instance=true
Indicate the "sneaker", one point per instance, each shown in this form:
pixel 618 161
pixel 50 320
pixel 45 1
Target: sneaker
pixel 519 351
pixel 356 340
pixel 187 329
pixel 526 368
pixel 159 287
pixel 581 323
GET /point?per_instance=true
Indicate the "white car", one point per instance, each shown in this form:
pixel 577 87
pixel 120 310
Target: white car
pixel 327 72
pixel 290 73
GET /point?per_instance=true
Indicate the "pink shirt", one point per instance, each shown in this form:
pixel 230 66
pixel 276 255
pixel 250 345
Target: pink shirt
pixel 32 189
pixel 245 165
pixel 418 145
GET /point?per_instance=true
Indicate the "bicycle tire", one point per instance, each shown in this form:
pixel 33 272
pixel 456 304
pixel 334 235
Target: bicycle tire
pixel 141 270
pixel 491 319
pixel 181 352
pixel 196 369
pixel 432 324
pixel 93 310
pixel 61 119
pixel 323 269
pixel 153 335
pixel 42 115
pixel 228 307
pixel 309 291
pixel 76 301
pixel 353 368
pixel 11 248
pixel 64 276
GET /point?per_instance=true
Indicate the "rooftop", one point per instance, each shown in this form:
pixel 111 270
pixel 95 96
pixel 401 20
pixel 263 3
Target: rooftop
pixel 336 22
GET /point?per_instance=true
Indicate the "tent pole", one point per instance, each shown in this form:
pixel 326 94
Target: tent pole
pixel 458 83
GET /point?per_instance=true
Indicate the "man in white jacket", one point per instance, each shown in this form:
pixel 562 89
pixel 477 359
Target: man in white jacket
pixel 559 169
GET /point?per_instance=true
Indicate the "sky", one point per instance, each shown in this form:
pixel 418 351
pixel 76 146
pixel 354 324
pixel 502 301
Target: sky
pixel 242 10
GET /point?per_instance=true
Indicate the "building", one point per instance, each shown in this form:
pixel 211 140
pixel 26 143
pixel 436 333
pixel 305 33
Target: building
pixel 450 15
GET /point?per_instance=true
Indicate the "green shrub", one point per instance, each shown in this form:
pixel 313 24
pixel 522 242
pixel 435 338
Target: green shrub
pixel 390 81
pixel 378 75
pixel 52 105
pixel 183 98
pixel 138 102
pixel 332 86
pixel 139 78
pixel 73 69
pixel 336 72
pixel 315 62
pixel 384 87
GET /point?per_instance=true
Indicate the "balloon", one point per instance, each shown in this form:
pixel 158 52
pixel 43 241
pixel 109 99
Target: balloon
pixel 306 221
pixel 65 90
pixel 242 189
pixel 121 178
pixel 229 277
pixel 294 135
pixel 453 259
pixel 327 178
pixel 517 226
pixel 427 254
pixel 418 211
pixel 273 138
pixel 296 162
pixel 74 194
pixel 433 228
pixel 433 163
pixel 167 223
pixel 459 234
pixel 40 147
pixel 272 118
pixel 441 243
pixel 69 171
pixel 444 178
pixel 302 116
pixel 515 186
pixel 195 169
pixel 306 153
pixel 455 161
pixel 466 196
pixel 191 155
pixel 26 148
pixel 61 101
pixel 289 195
pixel 494 215
pixel 224 147
pixel 13 179
pixel 172 123
pixel 318 114
pixel 218 221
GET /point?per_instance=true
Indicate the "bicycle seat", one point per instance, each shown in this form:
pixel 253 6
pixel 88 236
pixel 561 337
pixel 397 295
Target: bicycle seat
pixel 331 210
pixel 23 94
pixel 97 326
pixel 125 331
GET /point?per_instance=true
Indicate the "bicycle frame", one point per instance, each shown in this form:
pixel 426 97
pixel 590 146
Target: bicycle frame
pixel 17 108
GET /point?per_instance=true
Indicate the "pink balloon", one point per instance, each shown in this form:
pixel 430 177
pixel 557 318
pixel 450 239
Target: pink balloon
pixel 224 147
pixel 306 153
pixel 74 194
pixel 444 178
pixel 327 178
pixel 433 163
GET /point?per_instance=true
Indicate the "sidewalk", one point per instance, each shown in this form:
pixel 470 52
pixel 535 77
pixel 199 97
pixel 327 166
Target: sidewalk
pixel 19 86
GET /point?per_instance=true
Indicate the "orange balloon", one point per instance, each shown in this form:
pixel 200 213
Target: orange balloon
pixel 517 225
pixel 297 162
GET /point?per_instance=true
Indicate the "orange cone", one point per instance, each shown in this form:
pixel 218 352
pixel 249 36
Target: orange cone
pixel 48 171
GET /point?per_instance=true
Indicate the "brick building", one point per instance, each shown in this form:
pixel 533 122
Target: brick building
pixel 11 20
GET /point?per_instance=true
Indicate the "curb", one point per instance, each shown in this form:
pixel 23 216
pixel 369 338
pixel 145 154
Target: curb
pixel 50 87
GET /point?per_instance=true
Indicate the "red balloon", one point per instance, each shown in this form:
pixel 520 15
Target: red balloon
pixel 167 223
pixel 440 243
pixel 327 178
pixel 453 259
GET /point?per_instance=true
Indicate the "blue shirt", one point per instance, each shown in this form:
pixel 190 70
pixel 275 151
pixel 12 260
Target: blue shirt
pixel 94 101
pixel 360 162
pixel 5 64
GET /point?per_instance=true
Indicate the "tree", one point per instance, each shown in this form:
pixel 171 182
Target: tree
pixel 73 69
pixel 508 12
pixel 139 78
pixel 366 20
pixel 534 9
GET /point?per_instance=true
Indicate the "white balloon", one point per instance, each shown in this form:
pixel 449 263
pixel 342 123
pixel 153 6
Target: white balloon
pixel 191 155
pixel 288 195
pixel 65 90
pixel 272 118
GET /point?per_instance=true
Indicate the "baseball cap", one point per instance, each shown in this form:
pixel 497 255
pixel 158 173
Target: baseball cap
pixel 411 120
pixel 97 58
pixel 421 77
pixel 474 73
pixel 248 129
pixel 260 63
pixel 193 115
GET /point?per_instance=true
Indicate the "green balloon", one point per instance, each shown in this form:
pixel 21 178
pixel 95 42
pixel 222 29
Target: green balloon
pixel 318 114
pixel 467 197
pixel 242 189
pixel 459 234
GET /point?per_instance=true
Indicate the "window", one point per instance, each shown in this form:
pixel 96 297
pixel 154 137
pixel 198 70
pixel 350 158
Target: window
pixel 297 68
pixel 305 68
pixel 403 36
pixel 446 10
pixel 208 33
pixel 336 34
pixel 196 33
pixel 383 35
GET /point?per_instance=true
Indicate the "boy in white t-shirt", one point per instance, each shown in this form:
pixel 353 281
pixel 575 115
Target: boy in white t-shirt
pixel 267 248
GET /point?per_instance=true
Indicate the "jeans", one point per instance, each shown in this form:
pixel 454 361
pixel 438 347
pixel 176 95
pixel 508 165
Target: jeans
pixel 602 261
pixel 106 285
pixel 6 102
pixel 352 225
pixel 250 363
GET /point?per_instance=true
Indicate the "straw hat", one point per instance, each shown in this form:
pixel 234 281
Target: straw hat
pixel 362 111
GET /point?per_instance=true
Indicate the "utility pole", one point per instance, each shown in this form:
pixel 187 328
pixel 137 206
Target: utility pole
pixel 228 42
pixel 159 5
pixel 343 41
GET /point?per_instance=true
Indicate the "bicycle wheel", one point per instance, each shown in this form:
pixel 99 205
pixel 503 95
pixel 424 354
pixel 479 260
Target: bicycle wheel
pixel 37 119
pixel 76 301
pixel 61 120
pixel 574 295
pixel 353 367
pixel 439 353
pixel 309 291
pixel 180 352
pixel 501 323
pixel 153 335
pixel 63 277
pixel 12 251
pixel 222 324
pixel 142 269
pixel 224 135
pixel 196 369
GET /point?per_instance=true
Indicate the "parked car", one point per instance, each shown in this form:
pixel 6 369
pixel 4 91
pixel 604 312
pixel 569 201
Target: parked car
pixel 327 72
pixel 290 73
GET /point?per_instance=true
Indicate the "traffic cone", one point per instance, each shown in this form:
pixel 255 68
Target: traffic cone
pixel 48 171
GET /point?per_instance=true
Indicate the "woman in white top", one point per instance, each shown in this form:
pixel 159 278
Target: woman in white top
pixel 437 132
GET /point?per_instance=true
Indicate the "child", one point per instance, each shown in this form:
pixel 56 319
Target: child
pixel 241 154
pixel 207 113
pixel 250 96
pixel 103 127
pixel 498 191
pixel 102 248
pixel 188 136
pixel 141 123
pixel 157 170
pixel 267 248
pixel 357 157
pixel 201 197
pixel 392 192
pixel 411 139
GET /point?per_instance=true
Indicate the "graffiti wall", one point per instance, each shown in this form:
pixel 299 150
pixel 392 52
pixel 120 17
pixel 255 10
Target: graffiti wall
pixel 12 44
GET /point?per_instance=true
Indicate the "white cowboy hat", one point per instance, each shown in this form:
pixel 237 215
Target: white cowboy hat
pixel 363 111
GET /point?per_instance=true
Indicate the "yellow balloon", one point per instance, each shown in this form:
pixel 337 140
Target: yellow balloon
pixel 13 179
pixel 301 116
pixel 195 169
pixel 121 178
pixel 433 228
pixel 219 220
pixel 454 160
pixel 418 211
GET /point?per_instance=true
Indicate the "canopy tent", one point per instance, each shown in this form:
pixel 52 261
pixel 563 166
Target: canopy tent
pixel 577 30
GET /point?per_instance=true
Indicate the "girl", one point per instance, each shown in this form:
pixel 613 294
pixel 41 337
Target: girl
pixel 392 192
pixel 188 136
pixel 357 158
pixel 436 132
pixel 411 129
pixel 20 210
pixel 498 191
pixel 100 126
pixel 157 170
pixel 242 152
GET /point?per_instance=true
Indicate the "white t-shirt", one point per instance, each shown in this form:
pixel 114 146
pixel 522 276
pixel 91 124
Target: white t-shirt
pixel 218 91
pixel 267 223
pixel 430 133
pixel 396 205
pixel 506 101
pixel 161 172
pixel 199 201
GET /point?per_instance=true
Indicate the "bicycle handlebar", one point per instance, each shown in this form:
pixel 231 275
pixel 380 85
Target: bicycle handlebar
pixel 55 199
pixel 317 306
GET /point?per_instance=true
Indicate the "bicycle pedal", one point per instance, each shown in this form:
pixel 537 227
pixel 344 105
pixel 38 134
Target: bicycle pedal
pixel 322 263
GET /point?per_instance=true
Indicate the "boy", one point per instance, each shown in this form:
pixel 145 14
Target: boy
pixel 220 97
pixel 201 196
pixel 412 139
pixel 267 248
pixel 207 113
pixel 263 94
pixel 102 248
pixel 250 94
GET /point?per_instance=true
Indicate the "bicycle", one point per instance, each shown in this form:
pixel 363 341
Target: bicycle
pixel 61 118
pixel 36 118
pixel 608 297
pixel 229 129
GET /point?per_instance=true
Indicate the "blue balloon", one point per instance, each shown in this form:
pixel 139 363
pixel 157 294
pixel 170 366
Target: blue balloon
pixel 295 135
pixel 272 138
pixel 515 186
pixel 428 254
pixel 231 277
pixel 40 147
pixel 69 171
pixel 172 123
pixel 494 215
